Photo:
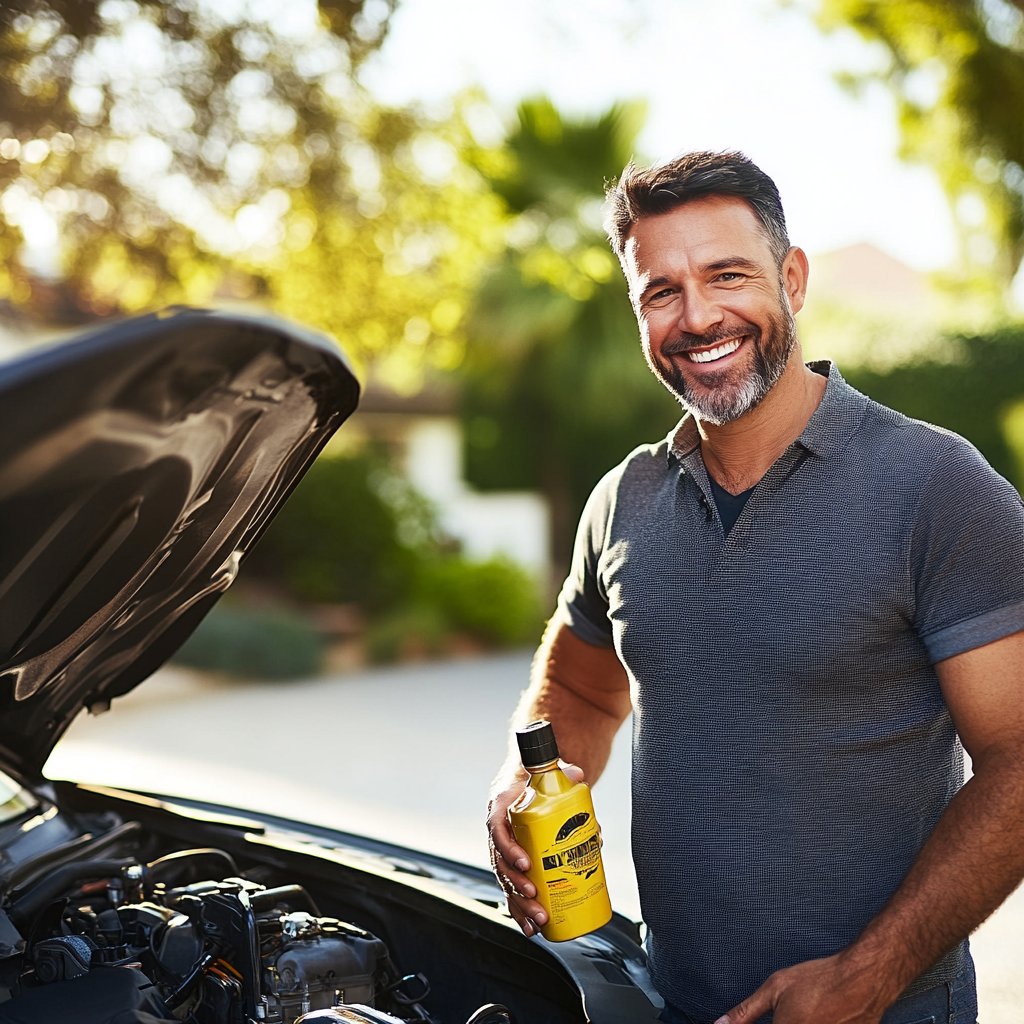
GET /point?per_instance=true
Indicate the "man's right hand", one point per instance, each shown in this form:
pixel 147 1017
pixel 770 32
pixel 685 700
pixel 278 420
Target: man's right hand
pixel 509 860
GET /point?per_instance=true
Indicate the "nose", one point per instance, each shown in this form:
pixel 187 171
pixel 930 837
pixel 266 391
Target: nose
pixel 698 312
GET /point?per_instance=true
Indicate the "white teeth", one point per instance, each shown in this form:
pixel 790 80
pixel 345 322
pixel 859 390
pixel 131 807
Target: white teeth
pixel 715 353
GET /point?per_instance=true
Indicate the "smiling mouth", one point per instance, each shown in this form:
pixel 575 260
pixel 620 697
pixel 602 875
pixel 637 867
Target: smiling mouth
pixel 712 355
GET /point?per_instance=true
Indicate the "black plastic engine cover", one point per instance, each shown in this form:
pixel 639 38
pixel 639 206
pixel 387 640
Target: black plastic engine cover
pixel 106 995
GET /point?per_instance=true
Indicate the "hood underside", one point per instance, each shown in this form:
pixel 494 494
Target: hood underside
pixel 138 465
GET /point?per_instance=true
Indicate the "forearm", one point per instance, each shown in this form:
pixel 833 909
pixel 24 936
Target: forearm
pixel 973 860
pixel 583 692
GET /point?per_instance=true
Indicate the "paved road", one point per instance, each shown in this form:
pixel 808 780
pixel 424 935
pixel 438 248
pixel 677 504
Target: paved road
pixel 403 754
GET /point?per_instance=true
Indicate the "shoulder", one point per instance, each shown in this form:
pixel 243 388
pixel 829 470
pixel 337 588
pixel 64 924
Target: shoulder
pixel 920 457
pixel 632 482
pixel 646 466
pixel 905 444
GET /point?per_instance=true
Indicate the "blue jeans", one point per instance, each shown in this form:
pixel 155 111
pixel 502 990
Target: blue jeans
pixel 954 1002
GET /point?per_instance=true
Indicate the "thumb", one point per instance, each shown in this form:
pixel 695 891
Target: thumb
pixel 749 1010
pixel 573 771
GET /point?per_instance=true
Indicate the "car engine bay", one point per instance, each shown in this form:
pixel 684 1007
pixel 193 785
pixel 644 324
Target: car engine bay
pixel 140 462
pixel 189 937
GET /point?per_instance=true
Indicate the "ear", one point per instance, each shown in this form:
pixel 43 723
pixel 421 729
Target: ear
pixel 794 278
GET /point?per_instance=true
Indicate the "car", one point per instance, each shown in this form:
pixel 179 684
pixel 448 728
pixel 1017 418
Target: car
pixel 139 463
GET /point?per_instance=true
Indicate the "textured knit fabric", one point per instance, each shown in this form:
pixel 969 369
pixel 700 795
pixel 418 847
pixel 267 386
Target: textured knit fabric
pixel 792 750
pixel 729 505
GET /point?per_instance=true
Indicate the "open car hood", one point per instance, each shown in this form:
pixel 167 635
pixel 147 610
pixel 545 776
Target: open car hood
pixel 138 465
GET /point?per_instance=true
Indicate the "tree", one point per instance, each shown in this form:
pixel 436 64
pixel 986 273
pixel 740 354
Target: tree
pixel 186 147
pixel 556 388
pixel 956 69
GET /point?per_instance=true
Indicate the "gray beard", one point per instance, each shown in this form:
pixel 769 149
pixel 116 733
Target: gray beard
pixel 725 401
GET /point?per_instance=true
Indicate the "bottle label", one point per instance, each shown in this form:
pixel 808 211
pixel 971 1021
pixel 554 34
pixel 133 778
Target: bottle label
pixel 572 865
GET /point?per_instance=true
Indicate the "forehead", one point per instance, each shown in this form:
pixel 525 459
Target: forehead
pixel 701 230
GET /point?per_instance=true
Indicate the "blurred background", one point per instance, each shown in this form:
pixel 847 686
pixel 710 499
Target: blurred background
pixel 423 180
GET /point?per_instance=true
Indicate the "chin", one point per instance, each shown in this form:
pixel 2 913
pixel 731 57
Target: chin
pixel 720 404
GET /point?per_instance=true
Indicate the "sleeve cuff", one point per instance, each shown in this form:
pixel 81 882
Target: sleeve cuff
pixel 976 632
pixel 582 627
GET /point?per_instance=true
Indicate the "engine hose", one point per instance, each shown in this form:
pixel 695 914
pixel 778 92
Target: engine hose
pixel 83 848
pixel 184 990
pixel 171 860
pixel 283 894
pixel 58 881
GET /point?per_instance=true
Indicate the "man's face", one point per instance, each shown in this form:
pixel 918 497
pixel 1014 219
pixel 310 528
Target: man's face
pixel 715 321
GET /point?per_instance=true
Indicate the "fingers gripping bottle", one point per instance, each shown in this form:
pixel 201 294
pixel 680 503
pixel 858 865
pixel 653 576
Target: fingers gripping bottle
pixel 553 821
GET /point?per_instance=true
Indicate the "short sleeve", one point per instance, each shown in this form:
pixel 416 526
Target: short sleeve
pixel 582 603
pixel 967 556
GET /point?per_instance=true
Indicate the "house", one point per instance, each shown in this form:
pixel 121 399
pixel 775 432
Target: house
pixel 425 437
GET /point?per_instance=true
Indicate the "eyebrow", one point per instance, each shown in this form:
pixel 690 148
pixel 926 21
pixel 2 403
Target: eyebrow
pixel 729 262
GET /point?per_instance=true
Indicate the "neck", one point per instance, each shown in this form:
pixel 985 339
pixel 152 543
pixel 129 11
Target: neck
pixel 739 453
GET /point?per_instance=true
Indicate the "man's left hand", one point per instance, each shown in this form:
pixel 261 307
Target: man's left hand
pixel 824 991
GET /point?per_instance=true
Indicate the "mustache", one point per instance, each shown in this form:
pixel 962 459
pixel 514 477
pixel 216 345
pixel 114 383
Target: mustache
pixel 714 336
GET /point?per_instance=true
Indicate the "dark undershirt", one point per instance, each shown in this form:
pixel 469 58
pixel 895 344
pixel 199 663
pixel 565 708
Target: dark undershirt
pixel 729 505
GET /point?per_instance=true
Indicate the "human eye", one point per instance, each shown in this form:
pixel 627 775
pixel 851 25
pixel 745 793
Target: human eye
pixel 730 277
pixel 658 297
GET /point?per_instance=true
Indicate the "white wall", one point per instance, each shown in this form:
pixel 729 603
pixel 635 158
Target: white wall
pixel 511 523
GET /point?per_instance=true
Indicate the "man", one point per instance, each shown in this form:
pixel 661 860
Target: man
pixel 805 598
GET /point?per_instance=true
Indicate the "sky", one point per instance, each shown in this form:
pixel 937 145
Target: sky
pixel 753 75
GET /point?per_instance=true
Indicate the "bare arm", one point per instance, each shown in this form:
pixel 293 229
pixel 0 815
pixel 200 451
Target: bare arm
pixel 972 861
pixel 583 691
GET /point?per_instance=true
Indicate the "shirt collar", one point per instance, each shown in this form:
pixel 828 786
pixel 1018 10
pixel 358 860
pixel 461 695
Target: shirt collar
pixel 832 424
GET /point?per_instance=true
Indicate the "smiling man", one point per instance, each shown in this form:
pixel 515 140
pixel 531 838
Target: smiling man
pixel 809 602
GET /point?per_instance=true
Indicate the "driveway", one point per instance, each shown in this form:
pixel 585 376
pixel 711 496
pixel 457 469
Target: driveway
pixel 360 752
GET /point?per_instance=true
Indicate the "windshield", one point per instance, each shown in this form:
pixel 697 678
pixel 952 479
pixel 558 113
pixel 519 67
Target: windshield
pixel 14 799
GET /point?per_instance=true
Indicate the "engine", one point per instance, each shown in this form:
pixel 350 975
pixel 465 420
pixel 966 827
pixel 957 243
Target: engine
pixel 129 946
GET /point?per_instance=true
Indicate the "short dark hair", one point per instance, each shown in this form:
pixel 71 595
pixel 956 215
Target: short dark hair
pixel 647 191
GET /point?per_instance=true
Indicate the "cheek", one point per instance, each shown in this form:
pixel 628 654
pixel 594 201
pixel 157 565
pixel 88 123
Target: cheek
pixel 655 327
pixel 645 332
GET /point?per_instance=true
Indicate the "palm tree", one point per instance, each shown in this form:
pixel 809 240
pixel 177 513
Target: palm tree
pixel 556 391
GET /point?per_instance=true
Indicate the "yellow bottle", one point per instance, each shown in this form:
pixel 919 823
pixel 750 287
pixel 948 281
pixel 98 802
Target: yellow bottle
pixel 553 821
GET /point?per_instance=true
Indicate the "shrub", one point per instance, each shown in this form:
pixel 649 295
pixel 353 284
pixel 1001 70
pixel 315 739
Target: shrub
pixel 347 534
pixel 254 644
pixel 496 600
pixel 417 630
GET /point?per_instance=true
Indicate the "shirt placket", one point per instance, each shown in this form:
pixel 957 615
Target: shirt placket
pixel 693 467
pixel 741 535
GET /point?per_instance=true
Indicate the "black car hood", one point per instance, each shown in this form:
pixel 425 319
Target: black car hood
pixel 138 464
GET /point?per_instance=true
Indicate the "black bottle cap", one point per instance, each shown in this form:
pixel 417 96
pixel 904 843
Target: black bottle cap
pixel 537 744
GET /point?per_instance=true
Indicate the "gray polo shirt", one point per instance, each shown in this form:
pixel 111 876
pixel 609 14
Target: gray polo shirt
pixel 791 748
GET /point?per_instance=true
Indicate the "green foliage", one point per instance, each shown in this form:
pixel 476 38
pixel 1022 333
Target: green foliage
pixel 556 390
pixel 348 533
pixel 496 601
pixel 956 69
pixel 145 127
pixel 976 393
pixel 415 630
pixel 354 531
pixel 252 644
pixel 186 154
pixel 556 163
